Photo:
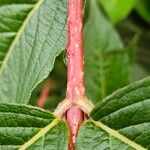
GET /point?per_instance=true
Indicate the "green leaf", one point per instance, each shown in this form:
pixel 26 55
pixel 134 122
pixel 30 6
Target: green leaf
pixel 142 8
pixel 105 59
pixel 127 111
pixel 33 33
pixel 12 15
pixel 25 127
pixel 117 9
pixel 132 48
pixel 96 136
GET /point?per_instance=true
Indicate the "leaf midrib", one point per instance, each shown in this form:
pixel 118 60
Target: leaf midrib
pixel 40 134
pixel 103 78
pixel 119 136
pixel 38 54
pixel 23 26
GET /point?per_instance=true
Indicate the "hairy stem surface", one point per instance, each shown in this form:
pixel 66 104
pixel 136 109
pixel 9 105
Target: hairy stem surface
pixel 75 63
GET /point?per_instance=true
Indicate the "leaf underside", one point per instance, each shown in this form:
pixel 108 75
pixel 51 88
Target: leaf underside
pixel 32 34
pixel 127 111
pixel 25 127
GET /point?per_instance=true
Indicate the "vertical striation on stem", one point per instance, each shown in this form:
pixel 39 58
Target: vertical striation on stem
pixel 75 63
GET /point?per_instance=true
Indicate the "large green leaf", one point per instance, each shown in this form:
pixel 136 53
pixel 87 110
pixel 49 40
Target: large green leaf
pixel 117 9
pixel 106 64
pixel 143 8
pixel 12 15
pixel 25 127
pixel 128 112
pixel 97 136
pixel 33 33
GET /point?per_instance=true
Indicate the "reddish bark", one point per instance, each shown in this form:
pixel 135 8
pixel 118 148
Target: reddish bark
pixel 75 63
pixel 44 94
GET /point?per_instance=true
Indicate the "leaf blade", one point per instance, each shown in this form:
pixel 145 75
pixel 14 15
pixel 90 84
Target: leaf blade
pixel 142 8
pixel 30 124
pixel 97 136
pixel 35 50
pixel 117 10
pixel 10 24
pixel 127 111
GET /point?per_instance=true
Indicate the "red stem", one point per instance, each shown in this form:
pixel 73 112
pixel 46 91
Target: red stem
pixel 44 94
pixel 75 63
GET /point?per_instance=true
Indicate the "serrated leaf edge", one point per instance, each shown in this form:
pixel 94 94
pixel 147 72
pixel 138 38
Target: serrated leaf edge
pixel 118 135
pixel 23 26
pixel 41 133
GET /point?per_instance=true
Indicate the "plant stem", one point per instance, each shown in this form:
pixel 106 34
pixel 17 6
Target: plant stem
pixel 44 94
pixel 75 63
